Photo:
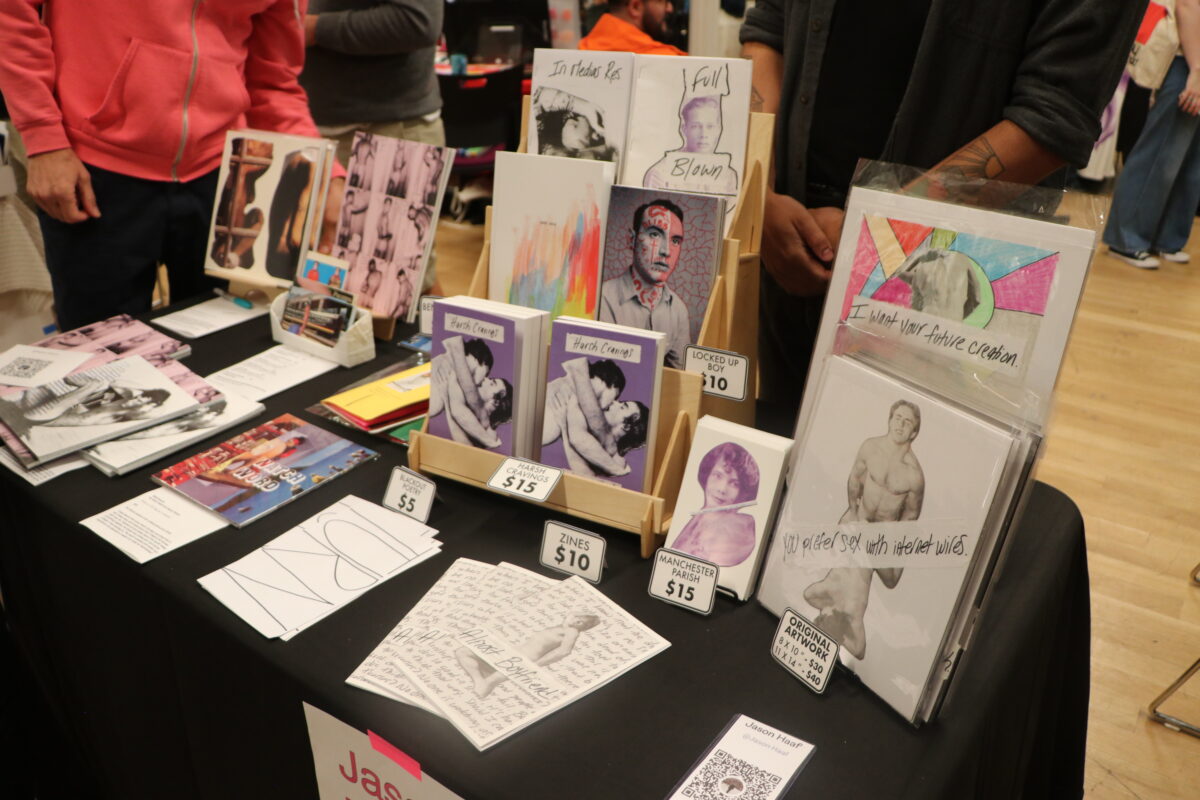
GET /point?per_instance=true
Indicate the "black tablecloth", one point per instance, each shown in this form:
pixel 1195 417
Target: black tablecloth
pixel 166 693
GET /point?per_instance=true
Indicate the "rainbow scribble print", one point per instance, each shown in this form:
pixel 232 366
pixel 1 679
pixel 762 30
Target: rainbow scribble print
pixel 556 264
pixel 1012 282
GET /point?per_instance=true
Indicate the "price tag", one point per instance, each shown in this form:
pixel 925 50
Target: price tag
pixel 425 314
pixel 725 374
pixel 573 551
pixel 525 479
pixel 804 650
pixel 684 580
pixel 410 493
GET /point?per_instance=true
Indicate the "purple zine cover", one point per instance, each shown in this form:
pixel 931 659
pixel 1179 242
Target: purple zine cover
pixel 684 259
pixel 472 390
pixel 599 403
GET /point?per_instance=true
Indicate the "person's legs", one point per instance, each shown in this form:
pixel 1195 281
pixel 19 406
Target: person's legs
pixel 1140 199
pixel 189 213
pixel 1176 225
pixel 106 266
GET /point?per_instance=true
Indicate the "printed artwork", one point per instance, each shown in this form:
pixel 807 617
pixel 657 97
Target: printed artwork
pixel 471 382
pixel 660 263
pixel 690 119
pixel 727 499
pixel 548 232
pixel 264 206
pixel 953 280
pixel 388 219
pixel 884 510
pixel 579 106
pixel 259 470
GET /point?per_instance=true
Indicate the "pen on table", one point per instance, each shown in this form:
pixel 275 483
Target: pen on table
pixel 239 301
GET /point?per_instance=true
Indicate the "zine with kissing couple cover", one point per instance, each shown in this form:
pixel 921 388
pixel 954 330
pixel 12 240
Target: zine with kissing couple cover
pixel 601 411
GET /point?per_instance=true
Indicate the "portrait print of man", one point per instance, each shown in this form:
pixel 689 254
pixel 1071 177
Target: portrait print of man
pixel 886 484
pixel 697 166
pixel 640 297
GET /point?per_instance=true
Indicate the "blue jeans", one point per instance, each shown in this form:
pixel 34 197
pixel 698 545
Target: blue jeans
pixel 1158 191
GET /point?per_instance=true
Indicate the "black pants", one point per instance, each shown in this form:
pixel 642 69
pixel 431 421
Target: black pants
pixel 106 266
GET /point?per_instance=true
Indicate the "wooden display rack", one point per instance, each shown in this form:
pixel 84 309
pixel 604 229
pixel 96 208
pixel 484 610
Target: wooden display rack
pixel 730 323
pixel 647 515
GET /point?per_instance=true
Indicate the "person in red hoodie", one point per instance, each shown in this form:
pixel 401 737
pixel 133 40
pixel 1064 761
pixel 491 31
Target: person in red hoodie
pixel 123 108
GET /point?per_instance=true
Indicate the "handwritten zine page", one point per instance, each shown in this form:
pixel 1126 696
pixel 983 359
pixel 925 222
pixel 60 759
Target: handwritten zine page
pixel 528 660
pixel 580 104
pixel 465 594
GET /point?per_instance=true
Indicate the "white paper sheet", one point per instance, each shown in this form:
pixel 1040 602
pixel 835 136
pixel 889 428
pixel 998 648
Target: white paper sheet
pixel 39 475
pixel 320 565
pixel 26 365
pixel 208 317
pixel 270 372
pixel 153 523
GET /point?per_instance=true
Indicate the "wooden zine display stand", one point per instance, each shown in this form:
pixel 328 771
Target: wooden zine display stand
pixel 730 323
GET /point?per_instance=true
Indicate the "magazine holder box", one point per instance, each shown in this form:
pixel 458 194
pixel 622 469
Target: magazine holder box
pixel 646 514
pixel 354 346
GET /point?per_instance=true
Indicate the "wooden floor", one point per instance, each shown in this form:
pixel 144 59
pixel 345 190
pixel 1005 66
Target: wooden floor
pixel 1124 443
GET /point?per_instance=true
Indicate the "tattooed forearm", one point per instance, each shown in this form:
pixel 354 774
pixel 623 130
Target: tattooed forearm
pixel 756 99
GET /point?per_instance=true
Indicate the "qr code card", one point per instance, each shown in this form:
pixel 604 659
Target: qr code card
pixel 749 761
pixel 26 365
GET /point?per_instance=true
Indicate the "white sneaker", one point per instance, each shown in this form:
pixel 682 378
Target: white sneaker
pixel 1178 257
pixel 1141 260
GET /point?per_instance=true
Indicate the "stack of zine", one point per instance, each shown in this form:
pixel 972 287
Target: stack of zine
pixel 731 486
pixel 489 370
pixel 119 456
pixel 892 521
pixel 386 402
pixel 88 407
pixel 271 195
pixel 493 649
pixel 602 398
pixel 261 469
pixel 94 346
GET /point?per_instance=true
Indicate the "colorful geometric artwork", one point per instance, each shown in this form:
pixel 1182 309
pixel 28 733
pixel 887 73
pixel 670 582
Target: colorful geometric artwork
pixel 969 279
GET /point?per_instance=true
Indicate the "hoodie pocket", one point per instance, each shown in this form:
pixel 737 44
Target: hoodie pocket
pixel 142 109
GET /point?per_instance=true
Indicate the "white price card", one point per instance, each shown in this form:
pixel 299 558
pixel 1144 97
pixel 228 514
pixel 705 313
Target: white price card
pixel 805 650
pixel 425 314
pixel 684 580
pixel 748 760
pixel 410 493
pixel 525 479
pixel 725 374
pixel 574 551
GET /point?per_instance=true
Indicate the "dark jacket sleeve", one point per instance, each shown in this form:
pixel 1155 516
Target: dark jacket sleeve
pixel 1074 55
pixel 764 23
pixel 391 27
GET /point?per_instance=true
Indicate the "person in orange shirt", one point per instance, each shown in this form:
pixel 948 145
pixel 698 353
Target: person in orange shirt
pixel 634 26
